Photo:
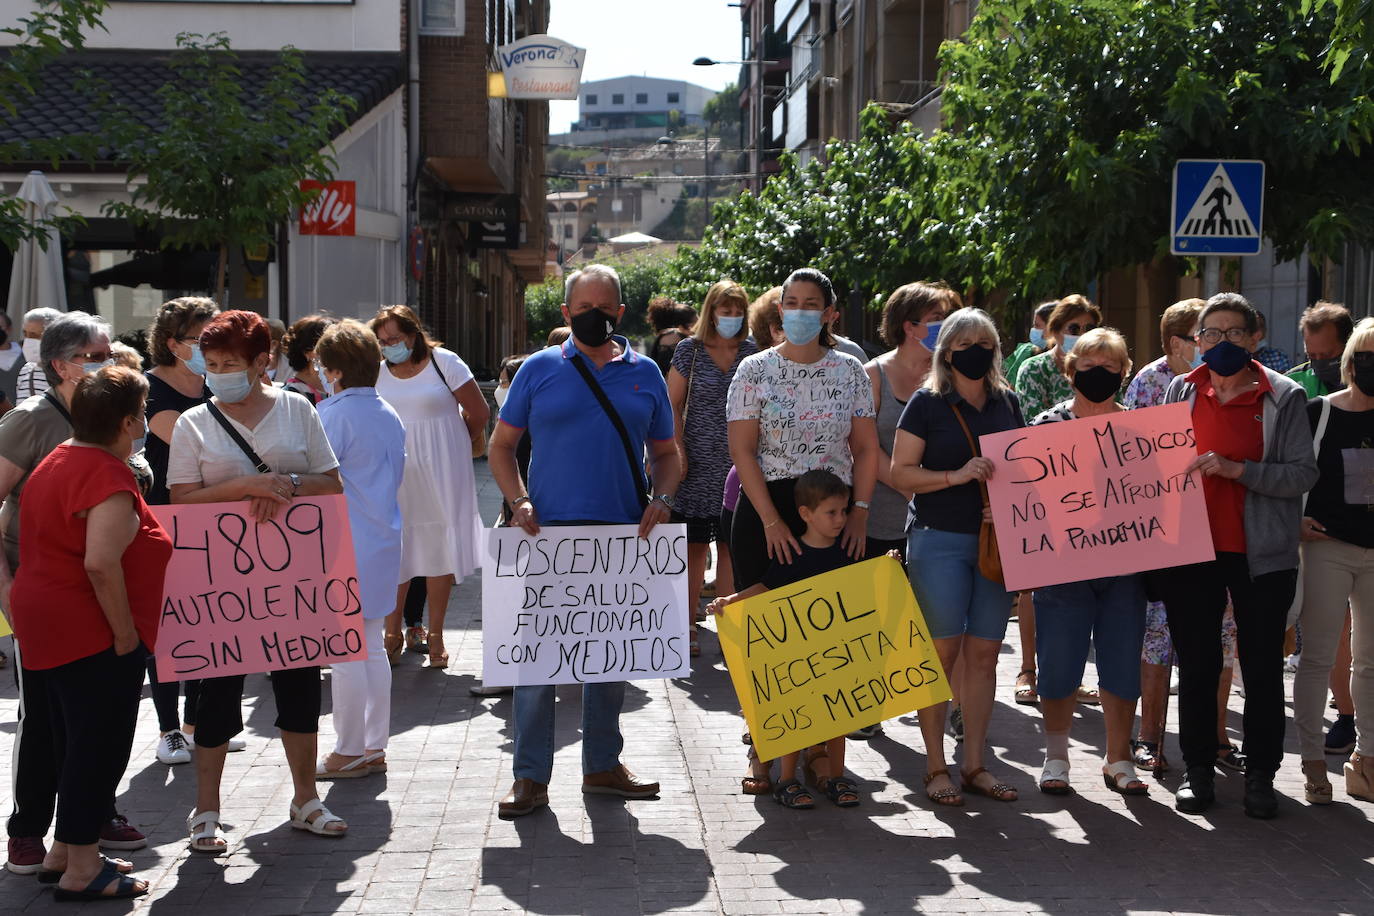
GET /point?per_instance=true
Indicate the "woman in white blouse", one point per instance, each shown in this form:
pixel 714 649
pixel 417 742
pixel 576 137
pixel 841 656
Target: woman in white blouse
pixel 445 417
pixel 206 465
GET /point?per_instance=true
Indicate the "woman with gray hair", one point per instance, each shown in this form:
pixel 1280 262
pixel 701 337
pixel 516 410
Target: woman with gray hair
pixel 31 378
pixel 935 456
pixel 73 345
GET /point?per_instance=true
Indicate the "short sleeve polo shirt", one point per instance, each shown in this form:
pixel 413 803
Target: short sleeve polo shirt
pixel 578 470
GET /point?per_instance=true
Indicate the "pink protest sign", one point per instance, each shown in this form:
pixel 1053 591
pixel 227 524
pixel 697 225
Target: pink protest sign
pixel 1097 496
pixel 242 598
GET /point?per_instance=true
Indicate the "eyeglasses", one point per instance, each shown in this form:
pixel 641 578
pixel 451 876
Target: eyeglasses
pixel 1078 329
pixel 1212 335
pixel 98 357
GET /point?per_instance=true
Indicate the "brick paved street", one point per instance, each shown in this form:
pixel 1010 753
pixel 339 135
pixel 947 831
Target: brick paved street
pixel 425 836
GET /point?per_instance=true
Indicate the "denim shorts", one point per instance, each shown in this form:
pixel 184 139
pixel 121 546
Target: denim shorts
pixel 955 598
pixel 1109 613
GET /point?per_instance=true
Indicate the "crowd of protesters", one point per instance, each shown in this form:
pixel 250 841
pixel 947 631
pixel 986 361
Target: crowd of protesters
pixel 703 431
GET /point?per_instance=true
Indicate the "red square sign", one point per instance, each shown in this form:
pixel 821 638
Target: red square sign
pixel 333 212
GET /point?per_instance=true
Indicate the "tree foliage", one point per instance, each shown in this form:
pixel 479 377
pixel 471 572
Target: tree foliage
pixel 39 38
pixel 225 167
pixel 1064 121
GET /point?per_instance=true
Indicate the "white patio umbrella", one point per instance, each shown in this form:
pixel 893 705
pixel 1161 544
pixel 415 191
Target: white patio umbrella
pixel 37 280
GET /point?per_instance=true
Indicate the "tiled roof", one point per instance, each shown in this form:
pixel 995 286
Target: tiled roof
pixel 62 108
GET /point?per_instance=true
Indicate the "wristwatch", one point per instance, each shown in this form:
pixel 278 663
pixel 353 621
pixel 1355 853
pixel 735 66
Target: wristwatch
pixel 666 499
pixel 515 503
pixel 295 483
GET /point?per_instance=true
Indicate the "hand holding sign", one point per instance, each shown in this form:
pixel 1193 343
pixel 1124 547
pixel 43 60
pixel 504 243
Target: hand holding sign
pixel 243 597
pixel 817 659
pixel 1099 496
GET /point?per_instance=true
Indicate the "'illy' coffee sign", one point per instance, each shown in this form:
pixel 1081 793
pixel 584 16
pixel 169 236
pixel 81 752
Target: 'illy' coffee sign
pixel 541 67
pixel 333 211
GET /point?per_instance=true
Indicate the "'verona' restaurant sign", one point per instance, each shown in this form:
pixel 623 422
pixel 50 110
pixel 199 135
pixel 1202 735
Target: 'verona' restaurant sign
pixel 540 67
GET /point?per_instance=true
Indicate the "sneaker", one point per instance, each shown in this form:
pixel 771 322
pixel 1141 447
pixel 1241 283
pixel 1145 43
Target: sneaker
pixel 869 731
pixel 1340 738
pixel 118 833
pixel 1291 663
pixel 172 748
pixel 236 745
pixel 26 854
pixel 956 724
pixel 1228 758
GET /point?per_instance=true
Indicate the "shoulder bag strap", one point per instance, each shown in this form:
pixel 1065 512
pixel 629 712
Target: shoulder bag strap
pixel 435 363
pixel 972 444
pixel 242 443
pixel 1317 437
pixel 636 469
pixel 691 374
pixel 51 397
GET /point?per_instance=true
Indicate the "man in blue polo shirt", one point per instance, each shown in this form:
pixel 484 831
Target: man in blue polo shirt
pixel 582 473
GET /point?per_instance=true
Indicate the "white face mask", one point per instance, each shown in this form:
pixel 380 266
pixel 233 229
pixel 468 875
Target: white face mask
pixel 500 395
pixel 30 347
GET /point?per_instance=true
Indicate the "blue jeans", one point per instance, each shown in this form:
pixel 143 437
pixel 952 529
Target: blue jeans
pixel 954 596
pixel 601 738
pixel 1108 612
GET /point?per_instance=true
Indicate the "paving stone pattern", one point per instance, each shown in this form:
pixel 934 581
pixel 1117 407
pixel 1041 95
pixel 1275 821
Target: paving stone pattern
pixel 425 837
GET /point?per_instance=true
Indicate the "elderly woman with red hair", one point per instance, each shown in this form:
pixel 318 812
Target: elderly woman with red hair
pixel 209 463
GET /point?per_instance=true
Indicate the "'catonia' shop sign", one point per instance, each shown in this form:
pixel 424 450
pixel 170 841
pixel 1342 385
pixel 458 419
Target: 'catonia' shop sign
pixel 540 67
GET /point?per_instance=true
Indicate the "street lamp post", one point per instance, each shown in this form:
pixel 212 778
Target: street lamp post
pixel 756 106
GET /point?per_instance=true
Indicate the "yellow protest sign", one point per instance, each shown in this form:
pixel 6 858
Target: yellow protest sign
pixel 817 659
pixel 4 626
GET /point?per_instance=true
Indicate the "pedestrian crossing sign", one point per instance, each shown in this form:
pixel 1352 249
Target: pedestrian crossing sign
pixel 1217 207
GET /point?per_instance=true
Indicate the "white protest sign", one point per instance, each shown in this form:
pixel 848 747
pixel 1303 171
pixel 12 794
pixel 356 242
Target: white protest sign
pixel 582 604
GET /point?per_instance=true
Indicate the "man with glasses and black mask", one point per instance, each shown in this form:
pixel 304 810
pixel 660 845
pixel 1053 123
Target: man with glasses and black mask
pixel 583 472
pixel 1255 458
pixel 1326 326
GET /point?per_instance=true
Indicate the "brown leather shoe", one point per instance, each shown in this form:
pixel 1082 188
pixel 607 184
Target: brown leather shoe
pixel 619 781
pixel 524 796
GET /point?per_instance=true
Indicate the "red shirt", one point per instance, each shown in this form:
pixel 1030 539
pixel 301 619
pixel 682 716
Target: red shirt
pixel 56 616
pixel 1233 430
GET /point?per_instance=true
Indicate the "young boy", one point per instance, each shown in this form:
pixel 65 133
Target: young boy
pixel 823 503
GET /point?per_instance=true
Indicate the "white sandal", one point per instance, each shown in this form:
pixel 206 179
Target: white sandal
pixel 376 762
pixel 1055 770
pixel 205 826
pixel 319 826
pixel 1121 778
pixel 354 769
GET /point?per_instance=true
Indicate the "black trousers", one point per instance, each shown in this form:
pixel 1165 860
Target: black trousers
pixel 165 696
pixel 94 708
pixel 219 708
pixel 414 610
pixel 34 780
pixel 748 543
pixel 1195 601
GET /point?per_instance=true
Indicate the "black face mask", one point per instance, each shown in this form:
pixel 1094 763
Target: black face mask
pixel 1097 384
pixel 1328 371
pixel 1363 364
pixel 972 362
pixel 592 328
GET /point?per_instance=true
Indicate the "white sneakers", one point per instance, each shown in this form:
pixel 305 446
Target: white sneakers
pixel 176 746
pixel 173 748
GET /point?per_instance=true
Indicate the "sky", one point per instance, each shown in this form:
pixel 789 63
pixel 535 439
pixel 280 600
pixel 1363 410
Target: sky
pixel 646 38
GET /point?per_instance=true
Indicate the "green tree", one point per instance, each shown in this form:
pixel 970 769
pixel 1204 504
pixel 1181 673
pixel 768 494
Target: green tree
pixel 225 166
pixel 1352 37
pixel 1068 116
pixel 722 111
pixel 39 38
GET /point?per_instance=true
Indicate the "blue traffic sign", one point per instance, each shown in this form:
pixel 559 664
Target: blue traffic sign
pixel 1218 206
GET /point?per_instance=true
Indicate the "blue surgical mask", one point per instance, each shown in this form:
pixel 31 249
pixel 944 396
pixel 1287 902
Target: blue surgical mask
pixel 88 368
pixel 229 387
pixel 932 334
pixel 396 353
pixel 197 361
pixel 140 441
pixel 1067 341
pixel 1196 360
pixel 729 325
pixel 801 325
pixel 1037 338
pixel 325 383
